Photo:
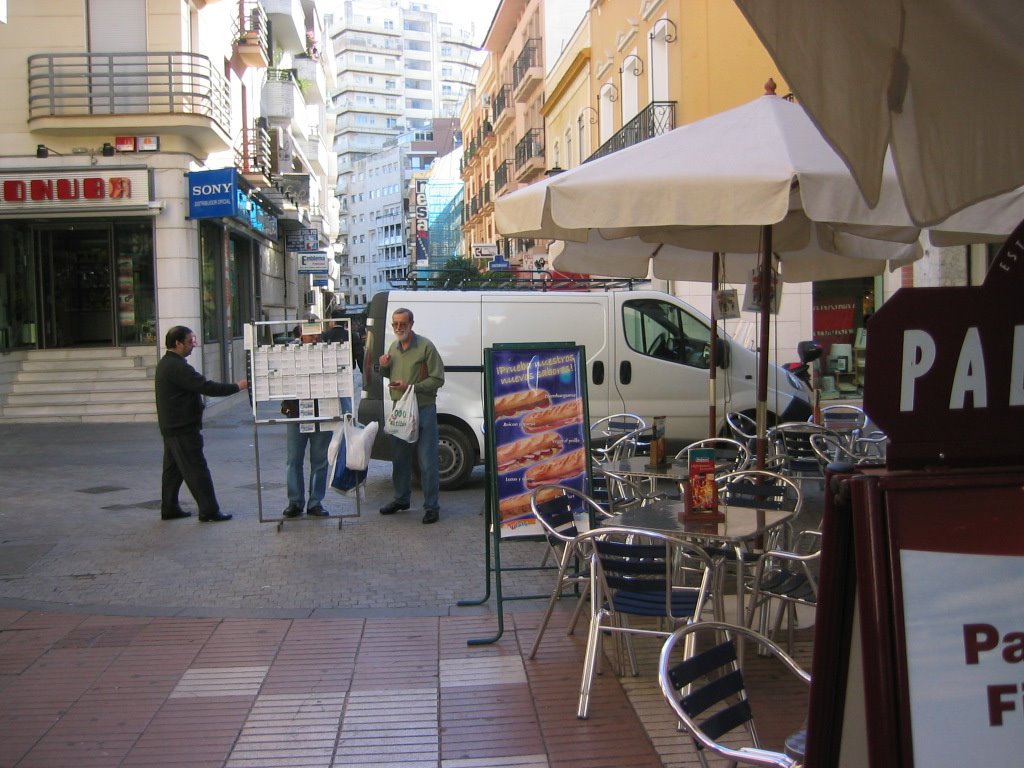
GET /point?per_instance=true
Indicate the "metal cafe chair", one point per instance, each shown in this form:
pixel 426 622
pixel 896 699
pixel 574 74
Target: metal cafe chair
pixel 730 455
pixel 792 442
pixel 708 693
pixel 612 439
pixel 616 492
pixel 848 420
pixel 640 573
pixel 754 489
pixel 556 508
pixel 616 437
pixel 743 429
pixel 788 578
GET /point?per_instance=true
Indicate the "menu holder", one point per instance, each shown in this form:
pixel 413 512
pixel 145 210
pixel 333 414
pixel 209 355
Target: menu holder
pixel 700 492
pixel 658 458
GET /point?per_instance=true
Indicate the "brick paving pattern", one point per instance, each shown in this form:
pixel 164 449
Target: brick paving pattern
pixel 130 642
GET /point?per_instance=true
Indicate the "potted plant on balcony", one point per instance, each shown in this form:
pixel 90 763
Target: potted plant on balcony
pixel 312 49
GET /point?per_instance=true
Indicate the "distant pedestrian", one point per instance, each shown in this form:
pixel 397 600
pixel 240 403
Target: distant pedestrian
pixel 179 409
pixel 337 332
pixel 413 361
pixel 319 440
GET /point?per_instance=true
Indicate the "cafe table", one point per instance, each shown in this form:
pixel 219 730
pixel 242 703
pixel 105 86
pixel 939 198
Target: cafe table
pixel 738 531
pixel 639 467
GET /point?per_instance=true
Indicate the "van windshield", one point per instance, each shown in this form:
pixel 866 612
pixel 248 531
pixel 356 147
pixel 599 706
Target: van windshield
pixel 660 329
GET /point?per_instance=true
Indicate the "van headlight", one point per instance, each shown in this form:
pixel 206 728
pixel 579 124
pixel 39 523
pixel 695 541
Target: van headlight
pixel 795 382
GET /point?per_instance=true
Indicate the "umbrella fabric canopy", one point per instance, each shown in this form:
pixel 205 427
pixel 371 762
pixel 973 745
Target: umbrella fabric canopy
pixel 933 79
pixel 757 176
pixel 638 258
pixel 723 178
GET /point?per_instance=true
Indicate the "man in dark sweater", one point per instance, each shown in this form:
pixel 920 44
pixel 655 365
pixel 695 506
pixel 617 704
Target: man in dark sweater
pixel 179 410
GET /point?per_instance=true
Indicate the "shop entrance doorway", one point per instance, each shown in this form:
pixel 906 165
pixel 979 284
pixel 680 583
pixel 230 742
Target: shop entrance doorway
pixel 76 287
pixel 94 284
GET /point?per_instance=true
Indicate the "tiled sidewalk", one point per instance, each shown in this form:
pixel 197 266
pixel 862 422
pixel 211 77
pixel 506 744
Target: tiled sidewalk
pixel 79 690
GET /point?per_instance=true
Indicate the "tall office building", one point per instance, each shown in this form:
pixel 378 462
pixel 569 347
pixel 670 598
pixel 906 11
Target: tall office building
pixel 402 73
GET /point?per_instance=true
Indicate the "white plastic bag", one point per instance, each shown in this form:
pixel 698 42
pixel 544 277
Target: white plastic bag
pixel 359 442
pixel 403 419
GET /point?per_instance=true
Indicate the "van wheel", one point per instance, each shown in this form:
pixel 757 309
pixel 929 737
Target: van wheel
pixel 456 457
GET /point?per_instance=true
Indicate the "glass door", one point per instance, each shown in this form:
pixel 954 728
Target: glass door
pixel 76 287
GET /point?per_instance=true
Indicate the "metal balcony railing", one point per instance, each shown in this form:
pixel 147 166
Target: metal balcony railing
pixel 250 26
pixel 502 174
pixel 502 101
pixel 79 84
pixel 657 118
pixel 529 147
pixel 528 58
pixel 253 154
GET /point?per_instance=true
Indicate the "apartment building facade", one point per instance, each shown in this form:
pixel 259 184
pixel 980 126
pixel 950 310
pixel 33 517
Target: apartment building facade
pixel 401 73
pixel 154 158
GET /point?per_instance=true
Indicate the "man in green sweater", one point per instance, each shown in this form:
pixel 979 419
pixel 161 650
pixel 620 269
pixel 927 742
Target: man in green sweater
pixel 412 360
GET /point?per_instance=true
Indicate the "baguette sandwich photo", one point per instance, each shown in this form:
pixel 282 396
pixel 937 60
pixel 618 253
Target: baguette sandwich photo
pixel 518 506
pixel 517 402
pixel 558 469
pixel 529 450
pixel 555 417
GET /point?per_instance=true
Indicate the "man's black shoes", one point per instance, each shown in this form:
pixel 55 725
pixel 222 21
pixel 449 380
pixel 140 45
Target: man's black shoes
pixel 392 507
pixel 318 511
pixel 175 514
pixel 292 510
pixel 431 516
pixel 220 517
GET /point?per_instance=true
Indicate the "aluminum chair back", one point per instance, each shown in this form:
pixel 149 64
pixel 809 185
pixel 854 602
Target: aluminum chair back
pixel 637 572
pixel 730 455
pixel 556 507
pixel 708 693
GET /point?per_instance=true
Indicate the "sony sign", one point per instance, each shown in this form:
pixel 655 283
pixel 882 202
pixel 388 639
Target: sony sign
pixel 212 194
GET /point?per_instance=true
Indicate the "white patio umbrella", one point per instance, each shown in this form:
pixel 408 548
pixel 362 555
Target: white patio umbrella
pixel 758 178
pixel 935 81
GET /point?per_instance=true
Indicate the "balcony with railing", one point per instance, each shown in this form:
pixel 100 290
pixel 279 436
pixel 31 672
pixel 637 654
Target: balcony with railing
pixel 253 156
pixel 502 176
pixel 282 100
pixel 312 80
pixel 251 34
pixel 530 155
pixel 528 70
pixel 657 118
pixel 502 107
pixel 170 93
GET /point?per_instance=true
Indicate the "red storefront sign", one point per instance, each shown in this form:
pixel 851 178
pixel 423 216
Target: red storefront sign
pixel 73 190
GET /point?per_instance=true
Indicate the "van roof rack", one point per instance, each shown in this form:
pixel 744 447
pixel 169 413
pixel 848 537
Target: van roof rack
pixel 427 279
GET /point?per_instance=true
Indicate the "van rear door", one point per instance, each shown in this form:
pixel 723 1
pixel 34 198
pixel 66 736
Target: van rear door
pixel 661 361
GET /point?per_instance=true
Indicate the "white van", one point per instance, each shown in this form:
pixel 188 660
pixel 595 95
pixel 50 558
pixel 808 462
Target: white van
pixel 647 353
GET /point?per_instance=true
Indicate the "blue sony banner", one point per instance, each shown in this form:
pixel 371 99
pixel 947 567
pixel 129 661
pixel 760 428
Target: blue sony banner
pixel 213 194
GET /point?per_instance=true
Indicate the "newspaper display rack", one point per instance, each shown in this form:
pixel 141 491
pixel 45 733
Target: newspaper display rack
pixel 317 375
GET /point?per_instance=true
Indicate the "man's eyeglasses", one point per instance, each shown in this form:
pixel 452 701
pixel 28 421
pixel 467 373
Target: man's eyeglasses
pixel 400 326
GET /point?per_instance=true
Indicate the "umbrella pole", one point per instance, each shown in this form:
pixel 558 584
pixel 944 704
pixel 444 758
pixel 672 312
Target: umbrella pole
pixel 713 352
pixel 762 360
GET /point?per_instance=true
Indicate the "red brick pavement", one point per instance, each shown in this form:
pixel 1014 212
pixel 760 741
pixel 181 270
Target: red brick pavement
pixel 138 691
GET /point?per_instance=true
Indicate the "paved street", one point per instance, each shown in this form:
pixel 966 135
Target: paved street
pixel 81 527
pixel 126 640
